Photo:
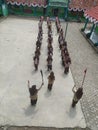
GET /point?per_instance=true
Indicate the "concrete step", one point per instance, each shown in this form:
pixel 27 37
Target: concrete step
pixel 39 128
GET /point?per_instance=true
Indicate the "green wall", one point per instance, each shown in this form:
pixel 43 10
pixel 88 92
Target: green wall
pixel 25 10
pixel 0 7
pixel 61 11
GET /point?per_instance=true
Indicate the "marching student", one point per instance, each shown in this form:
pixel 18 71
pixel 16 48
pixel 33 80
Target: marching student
pixel 34 93
pixel 77 95
pixel 51 79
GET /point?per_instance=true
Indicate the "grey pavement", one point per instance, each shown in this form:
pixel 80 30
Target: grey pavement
pixel 38 128
pixel 83 56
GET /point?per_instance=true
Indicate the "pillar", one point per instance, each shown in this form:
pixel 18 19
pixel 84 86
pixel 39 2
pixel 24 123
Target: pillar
pixel 34 11
pixel 89 34
pixel 66 11
pixel 83 29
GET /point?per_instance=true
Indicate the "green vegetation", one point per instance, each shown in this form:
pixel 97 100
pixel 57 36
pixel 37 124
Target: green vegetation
pixel 96 29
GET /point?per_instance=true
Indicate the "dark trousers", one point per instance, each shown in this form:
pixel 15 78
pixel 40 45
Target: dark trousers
pixel 74 103
pixel 49 87
pixel 66 70
pixel 49 67
pixel 36 66
pixel 33 102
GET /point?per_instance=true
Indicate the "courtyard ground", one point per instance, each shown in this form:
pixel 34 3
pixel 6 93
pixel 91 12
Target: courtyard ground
pixel 82 55
pixel 17 45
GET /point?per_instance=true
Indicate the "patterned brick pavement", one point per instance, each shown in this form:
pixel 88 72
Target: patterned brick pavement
pixel 84 56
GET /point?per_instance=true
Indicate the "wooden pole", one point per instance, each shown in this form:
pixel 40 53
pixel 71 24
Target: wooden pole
pixel 67 19
pixel 84 77
pixel 66 29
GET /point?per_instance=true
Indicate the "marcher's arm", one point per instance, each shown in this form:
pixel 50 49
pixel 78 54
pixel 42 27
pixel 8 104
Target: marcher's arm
pixel 40 86
pixel 73 89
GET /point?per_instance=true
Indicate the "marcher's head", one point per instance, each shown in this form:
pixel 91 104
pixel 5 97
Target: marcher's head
pixel 80 89
pixel 52 73
pixel 33 87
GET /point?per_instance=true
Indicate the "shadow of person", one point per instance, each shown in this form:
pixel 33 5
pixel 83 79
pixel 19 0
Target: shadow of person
pixel 30 110
pixel 47 93
pixel 72 112
pixel 64 75
pixel 33 72
pixel 46 72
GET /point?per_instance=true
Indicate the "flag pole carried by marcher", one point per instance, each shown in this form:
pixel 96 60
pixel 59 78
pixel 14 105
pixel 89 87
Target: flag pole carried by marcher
pixel 84 77
pixel 42 76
